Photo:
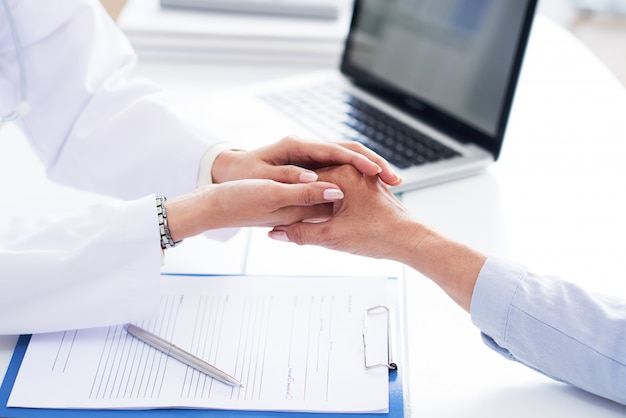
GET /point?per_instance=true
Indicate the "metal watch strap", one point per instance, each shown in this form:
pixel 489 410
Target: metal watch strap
pixel 166 238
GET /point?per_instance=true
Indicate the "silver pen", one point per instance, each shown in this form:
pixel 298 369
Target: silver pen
pixel 181 355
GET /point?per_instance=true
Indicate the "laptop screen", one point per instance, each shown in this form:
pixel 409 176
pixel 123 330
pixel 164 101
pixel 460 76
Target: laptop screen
pixel 455 62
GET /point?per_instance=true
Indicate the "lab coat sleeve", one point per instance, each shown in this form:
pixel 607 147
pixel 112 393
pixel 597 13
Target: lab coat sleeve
pixel 100 266
pixel 553 326
pixel 92 124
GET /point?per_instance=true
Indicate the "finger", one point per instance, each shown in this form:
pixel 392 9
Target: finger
pixel 302 234
pixel 324 154
pixel 306 194
pixel 289 174
pixel 294 233
pixel 315 214
pixel 305 215
pixel 386 174
pixel 279 235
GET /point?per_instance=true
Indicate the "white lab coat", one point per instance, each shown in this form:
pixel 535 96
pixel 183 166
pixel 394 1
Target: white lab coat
pixel 96 130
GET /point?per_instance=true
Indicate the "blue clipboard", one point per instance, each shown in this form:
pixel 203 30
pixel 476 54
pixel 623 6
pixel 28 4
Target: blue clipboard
pixel 397 402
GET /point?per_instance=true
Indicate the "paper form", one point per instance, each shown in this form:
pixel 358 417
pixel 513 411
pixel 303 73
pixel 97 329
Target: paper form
pixel 295 343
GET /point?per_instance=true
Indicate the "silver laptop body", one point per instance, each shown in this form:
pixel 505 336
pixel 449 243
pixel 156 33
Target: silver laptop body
pixel 435 78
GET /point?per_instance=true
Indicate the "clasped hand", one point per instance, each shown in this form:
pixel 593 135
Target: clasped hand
pixel 273 185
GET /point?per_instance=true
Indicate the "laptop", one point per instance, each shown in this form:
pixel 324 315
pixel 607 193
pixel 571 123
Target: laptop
pixel 426 84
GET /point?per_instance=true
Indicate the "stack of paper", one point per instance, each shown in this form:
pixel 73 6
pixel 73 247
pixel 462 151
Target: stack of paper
pixel 295 343
pixel 234 37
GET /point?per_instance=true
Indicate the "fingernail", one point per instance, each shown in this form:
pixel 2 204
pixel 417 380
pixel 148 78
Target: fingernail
pixel 279 236
pixel 308 177
pixel 333 194
pixel 315 220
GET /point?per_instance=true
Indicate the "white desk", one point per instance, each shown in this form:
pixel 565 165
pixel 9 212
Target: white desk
pixel 554 201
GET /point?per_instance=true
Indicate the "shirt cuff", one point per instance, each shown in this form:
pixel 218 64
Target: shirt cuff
pixel 494 291
pixel 206 163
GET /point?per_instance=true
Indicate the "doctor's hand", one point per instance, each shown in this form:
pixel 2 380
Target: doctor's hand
pixel 293 160
pixel 249 203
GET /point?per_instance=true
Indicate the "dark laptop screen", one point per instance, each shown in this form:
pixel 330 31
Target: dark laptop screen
pixel 455 61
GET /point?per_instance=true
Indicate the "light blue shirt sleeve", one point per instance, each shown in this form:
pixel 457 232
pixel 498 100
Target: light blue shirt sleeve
pixel 553 326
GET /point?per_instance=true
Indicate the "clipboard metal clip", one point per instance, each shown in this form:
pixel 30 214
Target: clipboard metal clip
pixel 380 310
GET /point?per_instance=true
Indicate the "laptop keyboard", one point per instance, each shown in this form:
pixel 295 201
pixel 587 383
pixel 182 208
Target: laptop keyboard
pixel 335 114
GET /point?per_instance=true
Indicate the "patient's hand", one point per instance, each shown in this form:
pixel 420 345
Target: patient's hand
pixel 369 221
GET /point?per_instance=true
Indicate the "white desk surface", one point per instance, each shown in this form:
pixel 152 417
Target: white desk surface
pixel 554 201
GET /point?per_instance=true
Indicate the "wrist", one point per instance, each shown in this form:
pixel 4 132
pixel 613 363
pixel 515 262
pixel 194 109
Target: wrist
pixel 207 161
pixel 196 212
pixel 164 228
pixel 410 240
pixel 224 165
pixel 453 266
